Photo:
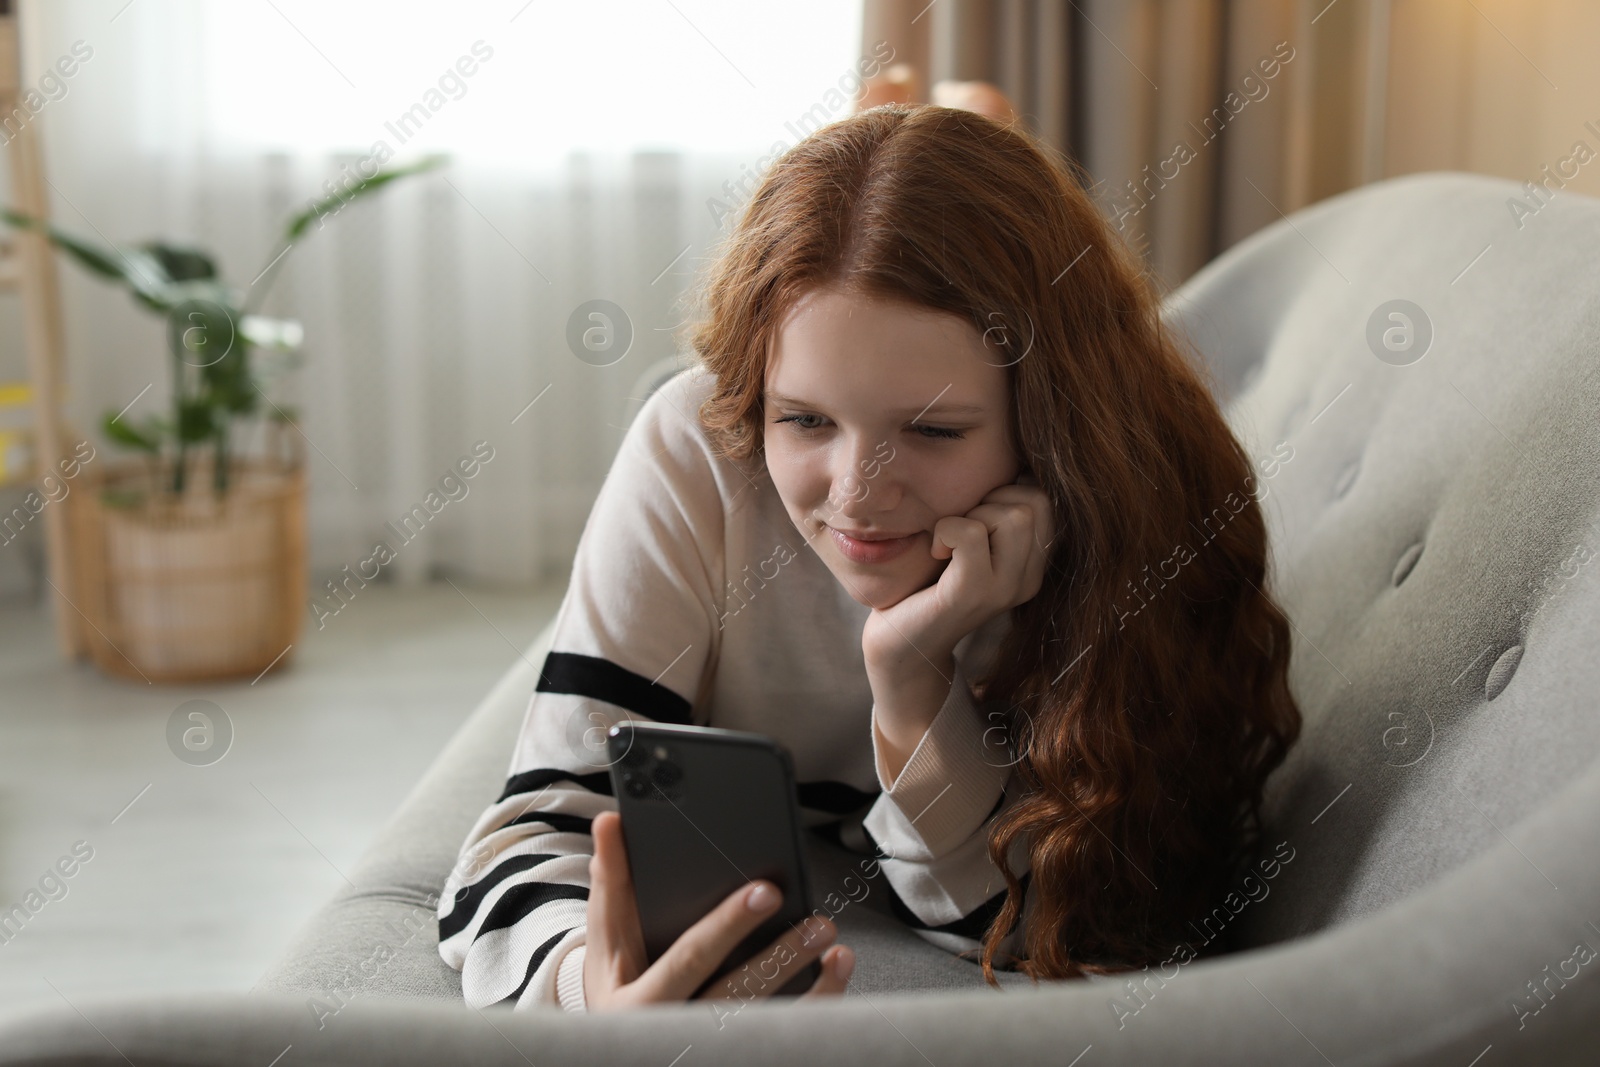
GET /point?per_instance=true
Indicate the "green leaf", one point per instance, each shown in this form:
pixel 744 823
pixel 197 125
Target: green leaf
pixel 141 271
pixel 146 439
pixel 147 277
pixel 196 421
pixel 229 384
pixel 201 332
pixel 301 222
pixel 181 264
pixel 107 264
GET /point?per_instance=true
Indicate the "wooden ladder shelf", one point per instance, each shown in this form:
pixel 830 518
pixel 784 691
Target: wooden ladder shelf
pixel 28 266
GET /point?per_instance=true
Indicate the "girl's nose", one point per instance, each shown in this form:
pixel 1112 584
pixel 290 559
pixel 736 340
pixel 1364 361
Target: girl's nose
pixel 864 484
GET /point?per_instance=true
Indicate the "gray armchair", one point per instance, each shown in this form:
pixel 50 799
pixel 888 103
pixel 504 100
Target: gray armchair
pixel 1435 898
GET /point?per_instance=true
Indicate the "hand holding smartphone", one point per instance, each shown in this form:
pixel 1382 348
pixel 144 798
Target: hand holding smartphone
pixel 705 815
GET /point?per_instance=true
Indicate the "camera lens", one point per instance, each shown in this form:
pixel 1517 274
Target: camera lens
pixel 666 774
pixel 635 755
pixel 636 784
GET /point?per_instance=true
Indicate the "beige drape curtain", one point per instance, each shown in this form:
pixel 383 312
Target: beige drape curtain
pixel 1200 121
pixel 1138 92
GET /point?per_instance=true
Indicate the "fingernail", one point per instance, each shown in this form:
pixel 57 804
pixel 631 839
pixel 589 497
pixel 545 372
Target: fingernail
pixel 844 961
pixel 762 897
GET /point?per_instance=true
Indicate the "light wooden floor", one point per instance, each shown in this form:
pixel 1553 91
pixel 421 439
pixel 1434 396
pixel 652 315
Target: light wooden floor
pixel 200 875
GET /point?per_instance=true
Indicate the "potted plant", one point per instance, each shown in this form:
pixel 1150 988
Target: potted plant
pixel 186 577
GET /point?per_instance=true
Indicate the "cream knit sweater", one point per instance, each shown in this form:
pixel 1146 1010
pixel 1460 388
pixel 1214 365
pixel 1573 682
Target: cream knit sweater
pixel 694 599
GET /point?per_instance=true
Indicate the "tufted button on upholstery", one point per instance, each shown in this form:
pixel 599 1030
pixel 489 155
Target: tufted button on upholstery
pixel 1347 478
pixel 1500 674
pixel 1408 559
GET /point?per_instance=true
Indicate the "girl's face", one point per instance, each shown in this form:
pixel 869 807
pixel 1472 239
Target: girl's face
pixel 883 417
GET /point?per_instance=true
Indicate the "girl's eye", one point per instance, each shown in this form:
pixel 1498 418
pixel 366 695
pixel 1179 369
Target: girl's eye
pixel 931 432
pixel 796 420
pixel 939 432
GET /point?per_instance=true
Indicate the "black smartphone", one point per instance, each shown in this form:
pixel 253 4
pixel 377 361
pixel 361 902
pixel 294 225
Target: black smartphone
pixel 705 811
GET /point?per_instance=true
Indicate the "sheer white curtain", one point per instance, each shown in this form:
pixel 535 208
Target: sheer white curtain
pixel 588 154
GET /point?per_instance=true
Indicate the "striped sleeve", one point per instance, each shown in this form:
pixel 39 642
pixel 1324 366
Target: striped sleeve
pixel 633 640
pixel 930 827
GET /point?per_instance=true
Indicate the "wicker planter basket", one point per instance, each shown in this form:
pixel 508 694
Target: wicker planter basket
pixel 196 588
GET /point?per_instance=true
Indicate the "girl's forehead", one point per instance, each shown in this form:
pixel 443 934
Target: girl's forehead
pixel 867 326
pixel 849 337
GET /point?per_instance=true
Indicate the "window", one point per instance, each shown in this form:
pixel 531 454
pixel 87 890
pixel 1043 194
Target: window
pixel 546 77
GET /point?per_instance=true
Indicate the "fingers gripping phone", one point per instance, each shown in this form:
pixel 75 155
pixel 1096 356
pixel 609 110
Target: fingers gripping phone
pixel 705 811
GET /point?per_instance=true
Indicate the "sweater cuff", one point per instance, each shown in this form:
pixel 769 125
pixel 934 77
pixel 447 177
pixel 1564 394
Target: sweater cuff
pixel 569 980
pixel 948 786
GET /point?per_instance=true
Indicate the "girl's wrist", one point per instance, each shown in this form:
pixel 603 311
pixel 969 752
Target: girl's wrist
pixel 913 673
pixel 905 701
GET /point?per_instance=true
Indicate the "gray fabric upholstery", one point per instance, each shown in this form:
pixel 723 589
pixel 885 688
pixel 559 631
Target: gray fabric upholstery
pixel 1443 807
pixel 1425 981
pixel 1458 700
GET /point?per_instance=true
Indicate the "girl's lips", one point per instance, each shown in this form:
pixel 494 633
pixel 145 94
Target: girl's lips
pixel 871 551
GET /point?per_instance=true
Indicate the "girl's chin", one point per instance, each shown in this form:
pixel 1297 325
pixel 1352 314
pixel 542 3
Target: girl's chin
pixel 881 589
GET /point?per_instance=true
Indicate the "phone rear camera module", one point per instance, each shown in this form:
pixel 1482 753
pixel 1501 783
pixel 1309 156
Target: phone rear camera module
pixel 666 775
pixel 637 785
pixel 634 755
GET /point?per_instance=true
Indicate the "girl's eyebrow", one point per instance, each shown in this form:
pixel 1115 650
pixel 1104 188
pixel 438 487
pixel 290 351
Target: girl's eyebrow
pixel 943 409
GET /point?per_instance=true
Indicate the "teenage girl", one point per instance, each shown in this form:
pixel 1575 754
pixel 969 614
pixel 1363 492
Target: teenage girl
pixel 942 508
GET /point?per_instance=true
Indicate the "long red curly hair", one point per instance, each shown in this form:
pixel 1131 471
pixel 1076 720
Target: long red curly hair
pixel 1147 706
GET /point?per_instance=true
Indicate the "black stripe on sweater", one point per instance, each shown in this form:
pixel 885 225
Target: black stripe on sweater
pixel 560 821
pixel 600 679
pixel 533 965
pixel 531 781
pixel 971 925
pixel 470 897
pixel 835 798
pixel 521 900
